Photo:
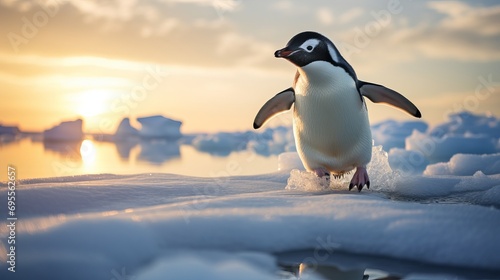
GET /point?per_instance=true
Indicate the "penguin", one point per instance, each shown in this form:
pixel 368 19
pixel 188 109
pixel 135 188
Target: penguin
pixel 330 119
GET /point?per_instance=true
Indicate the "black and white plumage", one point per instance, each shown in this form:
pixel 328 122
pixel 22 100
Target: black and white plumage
pixel 330 119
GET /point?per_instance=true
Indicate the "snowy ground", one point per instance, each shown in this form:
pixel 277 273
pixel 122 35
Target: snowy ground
pixel 161 226
pixel 433 211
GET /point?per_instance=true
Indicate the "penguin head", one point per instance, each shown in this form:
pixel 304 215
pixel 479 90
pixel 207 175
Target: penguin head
pixel 307 47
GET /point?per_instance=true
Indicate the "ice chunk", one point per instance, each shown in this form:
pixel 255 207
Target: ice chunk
pixel 465 122
pixel 65 131
pixel 159 127
pixel 382 177
pixel 222 143
pixel 392 134
pixel 273 141
pixel 289 161
pixel 407 161
pixel 462 165
pixel 443 148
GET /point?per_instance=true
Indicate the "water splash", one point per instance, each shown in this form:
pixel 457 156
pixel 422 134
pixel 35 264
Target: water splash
pixel 382 177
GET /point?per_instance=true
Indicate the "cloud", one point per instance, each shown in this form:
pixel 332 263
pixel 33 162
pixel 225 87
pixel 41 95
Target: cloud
pixel 325 16
pixel 465 33
pixel 351 15
pixel 460 16
pixel 245 49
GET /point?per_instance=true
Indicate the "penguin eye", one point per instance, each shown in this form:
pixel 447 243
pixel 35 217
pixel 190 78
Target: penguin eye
pixel 309 45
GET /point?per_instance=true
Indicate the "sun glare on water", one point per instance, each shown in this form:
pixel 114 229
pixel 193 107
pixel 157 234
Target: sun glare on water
pixel 88 152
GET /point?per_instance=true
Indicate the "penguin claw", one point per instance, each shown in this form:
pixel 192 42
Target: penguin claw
pixel 351 185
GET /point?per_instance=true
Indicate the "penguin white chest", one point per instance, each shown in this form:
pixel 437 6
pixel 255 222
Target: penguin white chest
pixel 330 121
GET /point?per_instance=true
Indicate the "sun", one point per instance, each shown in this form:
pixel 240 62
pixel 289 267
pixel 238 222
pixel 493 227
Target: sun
pixel 93 102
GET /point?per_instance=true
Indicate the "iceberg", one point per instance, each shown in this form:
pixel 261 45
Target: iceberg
pixel 125 130
pixel 11 130
pixel 159 127
pixel 65 131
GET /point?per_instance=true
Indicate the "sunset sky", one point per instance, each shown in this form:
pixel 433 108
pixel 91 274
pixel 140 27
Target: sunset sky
pixel 211 64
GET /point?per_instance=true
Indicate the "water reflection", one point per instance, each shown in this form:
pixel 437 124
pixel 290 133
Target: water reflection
pixel 64 148
pixel 130 155
pixel 88 152
pixel 123 148
pixel 330 272
pixel 6 139
pixel 159 151
pixel 329 264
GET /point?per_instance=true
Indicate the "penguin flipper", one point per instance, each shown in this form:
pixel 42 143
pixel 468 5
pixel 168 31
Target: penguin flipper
pixel 280 102
pixel 380 94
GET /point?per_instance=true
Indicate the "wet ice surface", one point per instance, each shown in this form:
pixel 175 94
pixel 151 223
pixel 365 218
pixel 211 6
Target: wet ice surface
pixel 151 224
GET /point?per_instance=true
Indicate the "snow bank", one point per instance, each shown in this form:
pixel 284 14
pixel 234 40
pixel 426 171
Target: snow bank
pixel 407 161
pixel 411 145
pixel 289 161
pixel 443 148
pixel 392 134
pixel 463 123
pixel 463 165
pixel 159 127
pixel 407 186
pixel 272 141
pixel 464 133
pixel 222 143
pixel 65 131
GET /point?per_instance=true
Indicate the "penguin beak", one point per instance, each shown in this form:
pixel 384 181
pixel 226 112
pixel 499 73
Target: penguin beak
pixel 285 52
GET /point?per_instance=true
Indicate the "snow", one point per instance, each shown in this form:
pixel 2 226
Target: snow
pixel 392 134
pixel 272 141
pixel 407 161
pixel 463 165
pixel 65 131
pixel 464 133
pixel 288 161
pixel 139 222
pixel 443 148
pixel 159 127
pixel 411 145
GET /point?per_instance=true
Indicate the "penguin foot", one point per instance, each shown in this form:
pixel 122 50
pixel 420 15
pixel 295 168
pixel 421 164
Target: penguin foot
pixel 323 174
pixel 360 179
